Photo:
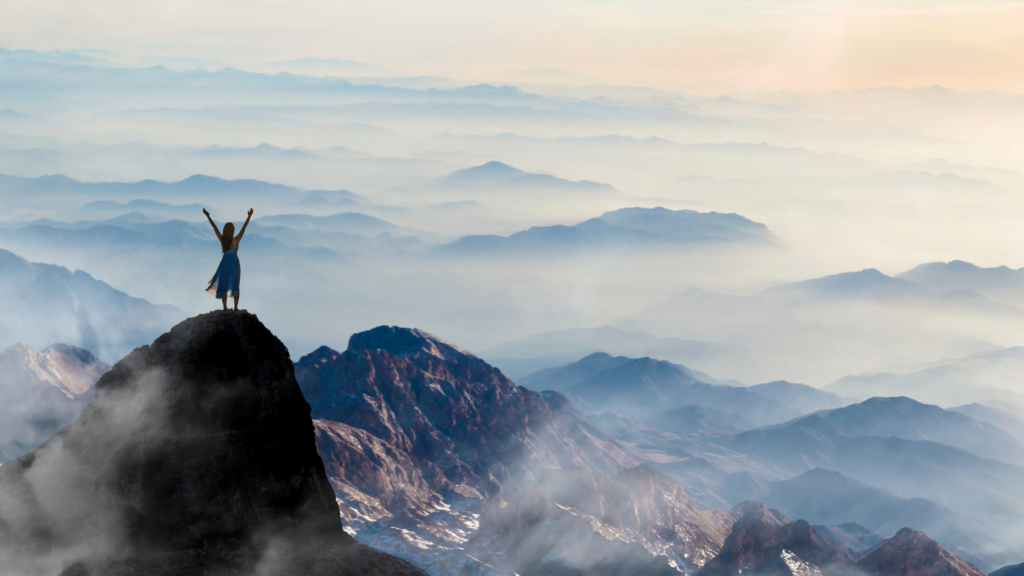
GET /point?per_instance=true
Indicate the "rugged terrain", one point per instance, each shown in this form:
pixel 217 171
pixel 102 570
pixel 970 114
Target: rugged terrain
pixel 437 456
pixel 197 456
pixel 41 391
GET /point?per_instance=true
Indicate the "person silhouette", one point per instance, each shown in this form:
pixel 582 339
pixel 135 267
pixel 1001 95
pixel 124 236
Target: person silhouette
pixel 225 280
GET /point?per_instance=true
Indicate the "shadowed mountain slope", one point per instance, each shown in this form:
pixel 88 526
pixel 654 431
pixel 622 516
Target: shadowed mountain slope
pixel 912 553
pixel 196 456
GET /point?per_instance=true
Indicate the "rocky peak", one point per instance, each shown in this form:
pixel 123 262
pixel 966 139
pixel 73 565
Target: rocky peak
pixel 428 353
pixel 41 391
pixel 419 436
pixel 912 553
pixel 439 403
pixel 69 369
pixel 756 545
pixel 197 454
pixel 754 510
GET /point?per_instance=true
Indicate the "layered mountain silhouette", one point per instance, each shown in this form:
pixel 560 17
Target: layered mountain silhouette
pixel 42 391
pixel 496 174
pixel 830 498
pixel 556 348
pixel 620 229
pixel 904 417
pixel 994 415
pixel 53 304
pixel 978 378
pixel 641 387
pixel 983 489
pixel 999 283
pixel 199 188
pixel 837 319
pixel 799 549
pixel 196 456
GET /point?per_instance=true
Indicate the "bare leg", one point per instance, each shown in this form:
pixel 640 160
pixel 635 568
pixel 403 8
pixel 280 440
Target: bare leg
pixel 236 303
pixel 224 299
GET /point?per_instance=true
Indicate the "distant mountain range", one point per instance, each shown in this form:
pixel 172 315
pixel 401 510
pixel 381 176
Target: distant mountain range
pixel 987 376
pixel 837 319
pixel 557 348
pixel 641 387
pixel 500 175
pixel 226 194
pixel 999 283
pixel 48 304
pixel 620 229
pixel 826 497
pixel 868 474
pixel 907 418
pixel 345 222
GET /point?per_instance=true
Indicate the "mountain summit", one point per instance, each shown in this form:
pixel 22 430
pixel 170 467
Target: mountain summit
pixel 196 456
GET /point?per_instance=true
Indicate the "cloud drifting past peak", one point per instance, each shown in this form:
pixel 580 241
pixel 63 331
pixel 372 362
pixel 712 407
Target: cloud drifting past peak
pixel 706 46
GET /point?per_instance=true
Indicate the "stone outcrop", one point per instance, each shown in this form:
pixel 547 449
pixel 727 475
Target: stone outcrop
pixel 756 545
pixel 762 546
pixel 42 391
pixel 196 456
pixel 912 553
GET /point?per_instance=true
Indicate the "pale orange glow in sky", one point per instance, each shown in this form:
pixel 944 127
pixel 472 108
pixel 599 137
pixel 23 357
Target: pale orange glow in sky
pixel 710 47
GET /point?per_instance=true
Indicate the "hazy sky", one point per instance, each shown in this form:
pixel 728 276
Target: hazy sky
pixel 710 46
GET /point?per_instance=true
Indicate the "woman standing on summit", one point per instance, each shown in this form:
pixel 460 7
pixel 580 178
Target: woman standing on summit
pixel 225 280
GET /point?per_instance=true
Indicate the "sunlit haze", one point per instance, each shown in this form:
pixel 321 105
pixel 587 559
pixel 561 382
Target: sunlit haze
pixel 704 46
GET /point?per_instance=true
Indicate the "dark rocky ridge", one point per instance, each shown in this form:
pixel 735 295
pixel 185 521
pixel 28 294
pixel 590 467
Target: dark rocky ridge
pixel 762 545
pixel 912 553
pixel 197 456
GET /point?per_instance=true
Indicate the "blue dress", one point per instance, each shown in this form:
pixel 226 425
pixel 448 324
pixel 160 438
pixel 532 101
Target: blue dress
pixel 225 279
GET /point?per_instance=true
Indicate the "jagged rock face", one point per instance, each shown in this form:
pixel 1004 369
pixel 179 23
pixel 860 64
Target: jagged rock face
pixel 466 429
pixel 41 391
pixel 424 443
pixel 595 522
pixel 754 544
pixel 912 553
pixel 197 453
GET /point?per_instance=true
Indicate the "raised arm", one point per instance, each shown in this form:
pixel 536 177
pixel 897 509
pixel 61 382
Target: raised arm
pixel 242 231
pixel 215 229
